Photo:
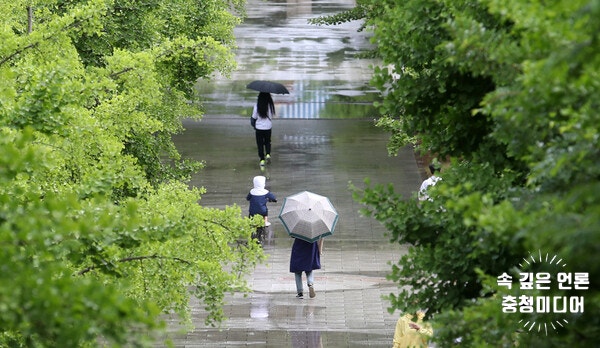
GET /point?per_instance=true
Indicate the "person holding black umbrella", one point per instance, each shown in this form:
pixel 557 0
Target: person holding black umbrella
pixel 263 113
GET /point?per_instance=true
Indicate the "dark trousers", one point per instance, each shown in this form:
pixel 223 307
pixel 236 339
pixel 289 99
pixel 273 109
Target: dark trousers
pixel 263 142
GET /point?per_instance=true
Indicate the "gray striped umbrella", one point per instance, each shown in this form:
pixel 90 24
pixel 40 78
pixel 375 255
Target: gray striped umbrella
pixel 308 216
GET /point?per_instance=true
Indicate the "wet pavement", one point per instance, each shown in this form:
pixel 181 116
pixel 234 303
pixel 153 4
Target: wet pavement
pixel 321 156
pixel 323 139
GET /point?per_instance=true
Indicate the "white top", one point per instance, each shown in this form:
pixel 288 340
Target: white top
pixel 431 181
pixel 262 123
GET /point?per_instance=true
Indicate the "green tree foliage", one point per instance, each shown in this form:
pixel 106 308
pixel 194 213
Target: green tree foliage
pixel 358 12
pixel 100 234
pixel 508 92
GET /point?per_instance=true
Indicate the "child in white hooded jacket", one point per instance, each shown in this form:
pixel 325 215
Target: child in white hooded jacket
pixel 259 197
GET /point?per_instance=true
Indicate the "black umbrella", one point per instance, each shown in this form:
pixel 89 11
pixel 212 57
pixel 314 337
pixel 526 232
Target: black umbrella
pixel 268 87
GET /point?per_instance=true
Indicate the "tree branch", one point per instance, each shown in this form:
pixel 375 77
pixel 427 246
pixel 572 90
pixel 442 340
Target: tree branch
pixel 17 52
pixel 116 74
pixel 29 19
pixel 34 44
pixel 137 258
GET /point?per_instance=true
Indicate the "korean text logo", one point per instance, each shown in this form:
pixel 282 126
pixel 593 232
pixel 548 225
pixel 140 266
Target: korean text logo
pixel 537 293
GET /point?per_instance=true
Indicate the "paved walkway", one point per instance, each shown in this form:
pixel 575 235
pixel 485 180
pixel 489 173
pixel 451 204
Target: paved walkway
pixel 322 156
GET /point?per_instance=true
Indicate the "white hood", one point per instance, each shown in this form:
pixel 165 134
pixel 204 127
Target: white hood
pixel 259 186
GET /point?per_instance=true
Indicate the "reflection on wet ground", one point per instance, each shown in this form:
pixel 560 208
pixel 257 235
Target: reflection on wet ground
pixel 318 64
pixel 277 42
pixel 307 99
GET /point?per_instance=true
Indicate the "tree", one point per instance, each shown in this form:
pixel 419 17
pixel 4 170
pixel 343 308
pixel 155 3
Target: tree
pixel 99 231
pixel 507 92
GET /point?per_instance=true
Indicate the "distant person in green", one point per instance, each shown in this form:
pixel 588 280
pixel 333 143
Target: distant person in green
pixel 263 113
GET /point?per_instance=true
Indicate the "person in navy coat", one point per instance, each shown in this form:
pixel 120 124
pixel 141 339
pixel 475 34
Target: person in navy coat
pixel 305 257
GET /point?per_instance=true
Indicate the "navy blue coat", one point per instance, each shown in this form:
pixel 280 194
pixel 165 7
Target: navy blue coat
pixel 258 204
pixel 305 256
